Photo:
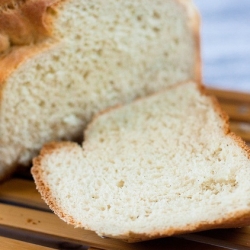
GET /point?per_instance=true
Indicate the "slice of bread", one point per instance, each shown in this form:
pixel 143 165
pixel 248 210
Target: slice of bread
pixel 61 61
pixel 163 165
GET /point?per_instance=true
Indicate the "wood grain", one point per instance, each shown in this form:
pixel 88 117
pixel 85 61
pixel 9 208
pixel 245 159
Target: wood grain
pixel 230 96
pixel 22 192
pixel 11 244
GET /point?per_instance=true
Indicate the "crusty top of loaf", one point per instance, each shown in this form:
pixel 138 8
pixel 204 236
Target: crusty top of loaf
pixel 25 30
pixel 30 22
pixel 24 22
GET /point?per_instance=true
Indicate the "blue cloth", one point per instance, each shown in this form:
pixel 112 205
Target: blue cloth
pixel 225 43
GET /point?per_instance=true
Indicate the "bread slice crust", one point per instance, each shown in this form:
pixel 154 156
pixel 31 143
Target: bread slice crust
pixel 232 217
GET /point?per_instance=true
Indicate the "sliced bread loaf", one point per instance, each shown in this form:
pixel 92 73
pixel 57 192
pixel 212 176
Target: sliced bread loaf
pixel 163 165
pixel 61 61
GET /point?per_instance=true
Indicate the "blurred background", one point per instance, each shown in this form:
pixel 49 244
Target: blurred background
pixel 225 44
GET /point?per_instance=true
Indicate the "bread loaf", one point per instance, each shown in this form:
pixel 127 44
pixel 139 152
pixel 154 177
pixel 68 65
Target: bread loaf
pixel 163 165
pixel 63 61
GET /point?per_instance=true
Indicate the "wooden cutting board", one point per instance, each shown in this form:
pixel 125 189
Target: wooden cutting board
pixel 26 222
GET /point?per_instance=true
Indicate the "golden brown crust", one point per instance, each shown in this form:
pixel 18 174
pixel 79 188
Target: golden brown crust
pixel 24 22
pixel 225 118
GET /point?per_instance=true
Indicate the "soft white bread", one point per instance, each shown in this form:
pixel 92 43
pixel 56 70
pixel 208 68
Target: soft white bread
pixel 61 61
pixel 163 165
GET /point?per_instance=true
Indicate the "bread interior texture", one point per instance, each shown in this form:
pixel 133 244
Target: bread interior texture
pixel 100 54
pixel 161 166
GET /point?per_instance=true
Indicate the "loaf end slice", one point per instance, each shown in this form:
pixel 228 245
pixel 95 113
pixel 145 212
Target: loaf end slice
pixel 163 165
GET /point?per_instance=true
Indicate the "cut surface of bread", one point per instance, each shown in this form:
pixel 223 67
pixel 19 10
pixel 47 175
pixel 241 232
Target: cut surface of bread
pixel 63 61
pixel 163 165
